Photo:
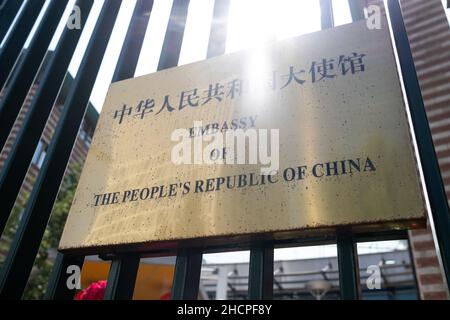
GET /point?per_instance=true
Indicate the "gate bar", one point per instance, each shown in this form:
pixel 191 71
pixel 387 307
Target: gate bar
pixel 19 34
pixel 188 263
pixel 132 45
pixel 348 266
pixel 122 278
pixel 218 35
pixel 32 226
pixel 326 10
pixel 123 271
pixel 173 39
pixel 18 160
pixel 260 281
pixel 27 67
pixel 171 49
pixel 186 278
pixel 58 288
pixel 357 9
pixel 440 216
pixel 346 244
pixel 7 15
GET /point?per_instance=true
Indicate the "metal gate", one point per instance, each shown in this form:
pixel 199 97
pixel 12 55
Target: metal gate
pixel 123 271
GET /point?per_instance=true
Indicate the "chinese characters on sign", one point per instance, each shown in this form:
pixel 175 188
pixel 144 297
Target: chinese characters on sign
pixel 318 71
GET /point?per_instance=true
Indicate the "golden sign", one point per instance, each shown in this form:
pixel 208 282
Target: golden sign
pixel 345 155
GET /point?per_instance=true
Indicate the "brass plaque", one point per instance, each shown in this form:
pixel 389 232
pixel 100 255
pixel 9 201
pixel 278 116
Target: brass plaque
pixel 345 151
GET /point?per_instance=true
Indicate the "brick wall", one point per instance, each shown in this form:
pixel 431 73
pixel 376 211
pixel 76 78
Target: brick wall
pixel 429 35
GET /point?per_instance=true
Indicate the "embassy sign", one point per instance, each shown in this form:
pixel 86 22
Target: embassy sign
pixel 343 148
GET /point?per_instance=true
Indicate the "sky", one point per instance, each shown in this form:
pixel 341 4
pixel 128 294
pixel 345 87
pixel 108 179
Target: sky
pixel 247 27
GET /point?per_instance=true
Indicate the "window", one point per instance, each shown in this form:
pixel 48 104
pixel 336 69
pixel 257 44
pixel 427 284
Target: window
pixel 387 271
pixel 39 154
pixel 85 137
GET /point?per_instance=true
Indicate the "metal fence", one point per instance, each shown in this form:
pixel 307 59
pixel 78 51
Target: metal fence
pixel 18 78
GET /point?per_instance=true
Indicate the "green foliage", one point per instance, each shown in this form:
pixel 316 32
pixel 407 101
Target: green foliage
pixel 11 226
pixel 43 264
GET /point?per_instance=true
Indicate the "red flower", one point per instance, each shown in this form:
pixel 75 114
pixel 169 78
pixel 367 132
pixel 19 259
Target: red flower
pixel 166 296
pixel 95 291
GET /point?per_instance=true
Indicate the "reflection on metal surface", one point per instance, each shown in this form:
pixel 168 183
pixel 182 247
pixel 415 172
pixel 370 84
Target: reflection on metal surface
pixel 345 151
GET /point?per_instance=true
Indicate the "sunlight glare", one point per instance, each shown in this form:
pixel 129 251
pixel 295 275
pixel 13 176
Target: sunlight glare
pixel 197 30
pixel 252 22
pixel 341 12
pixel 154 37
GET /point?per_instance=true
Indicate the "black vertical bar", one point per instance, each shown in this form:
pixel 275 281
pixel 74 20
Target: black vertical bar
pixel 14 44
pixel 19 158
pixel 346 245
pixel 261 257
pixel 123 271
pixel 25 245
pixel 189 261
pixel 261 271
pixel 57 288
pixel 134 39
pixel 260 282
pixel 26 69
pixel 122 278
pixel 218 35
pixel 326 10
pixel 187 274
pixel 357 9
pixel 7 15
pixel 440 216
pixel 348 266
pixel 174 35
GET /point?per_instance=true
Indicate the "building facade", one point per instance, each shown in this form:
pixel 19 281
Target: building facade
pixel 81 146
